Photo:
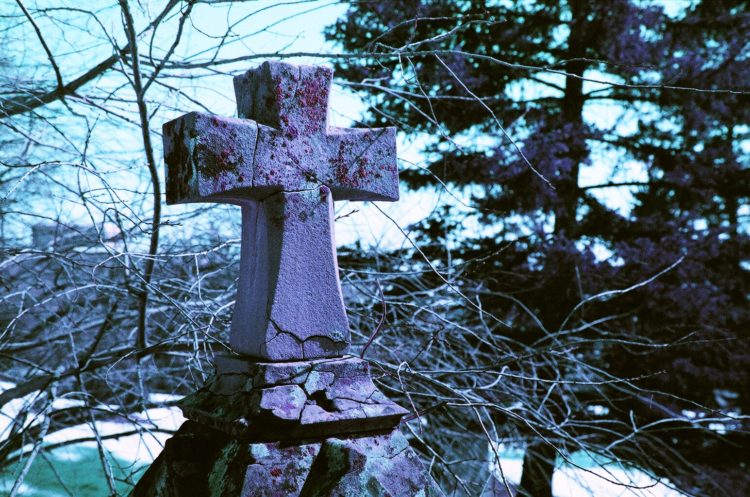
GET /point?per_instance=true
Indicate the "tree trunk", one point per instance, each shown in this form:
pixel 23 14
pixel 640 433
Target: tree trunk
pixel 538 467
pixel 572 113
pixel 539 459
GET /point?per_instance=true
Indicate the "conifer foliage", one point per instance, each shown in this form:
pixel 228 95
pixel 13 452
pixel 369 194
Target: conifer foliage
pixel 603 148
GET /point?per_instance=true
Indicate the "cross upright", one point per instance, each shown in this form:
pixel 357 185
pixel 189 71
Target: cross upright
pixel 285 166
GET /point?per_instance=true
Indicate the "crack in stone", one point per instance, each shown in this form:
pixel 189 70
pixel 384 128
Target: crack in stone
pixel 299 83
pixel 301 190
pixel 255 150
pixel 280 330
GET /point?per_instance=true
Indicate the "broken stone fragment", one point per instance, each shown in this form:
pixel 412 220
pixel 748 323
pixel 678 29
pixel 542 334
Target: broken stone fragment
pixel 284 402
pixel 377 466
pixel 314 414
pixel 342 405
pixel 282 373
pixel 381 410
pixel 292 399
pixel 345 367
pixel 318 380
pixel 356 388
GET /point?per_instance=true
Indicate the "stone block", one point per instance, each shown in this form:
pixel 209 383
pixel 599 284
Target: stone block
pixel 303 399
pixel 283 373
pixel 376 466
pixel 200 462
pixel 277 469
pixel 318 381
pixel 284 402
pixel 289 303
pixel 208 158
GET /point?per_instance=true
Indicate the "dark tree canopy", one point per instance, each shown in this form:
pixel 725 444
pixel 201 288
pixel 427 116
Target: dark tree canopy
pixel 525 99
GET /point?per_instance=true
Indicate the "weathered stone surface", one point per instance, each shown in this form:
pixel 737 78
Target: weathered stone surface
pixel 208 155
pixel 378 466
pixel 297 150
pixel 293 400
pixel 200 462
pixel 318 380
pixel 284 402
pixel 289 303
pixel 283 373
pixel 290 98
pixel 285 167
pixel 185 465
pixel 278 469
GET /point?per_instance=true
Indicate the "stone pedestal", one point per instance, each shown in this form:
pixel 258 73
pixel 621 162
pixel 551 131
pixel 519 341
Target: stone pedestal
pixel 306 428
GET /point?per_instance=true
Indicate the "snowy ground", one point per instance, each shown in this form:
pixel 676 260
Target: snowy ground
pixel 586 478
pixel 128 454
pixel 79 466
pixel 137 447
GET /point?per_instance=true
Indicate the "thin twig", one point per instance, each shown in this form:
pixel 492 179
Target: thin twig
pixel 380 323
pixel 39 35
pixel 141 338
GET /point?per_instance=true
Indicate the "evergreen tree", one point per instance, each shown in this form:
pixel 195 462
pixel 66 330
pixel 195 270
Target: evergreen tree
pixel 526 77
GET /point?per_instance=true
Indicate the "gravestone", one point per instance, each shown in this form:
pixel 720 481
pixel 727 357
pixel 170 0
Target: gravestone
pixel 289 413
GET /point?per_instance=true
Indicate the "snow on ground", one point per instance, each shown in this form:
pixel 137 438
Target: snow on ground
pixel 78 464
pixel 609 480
pixel 586 478
pixel 140 447
pixel 137 447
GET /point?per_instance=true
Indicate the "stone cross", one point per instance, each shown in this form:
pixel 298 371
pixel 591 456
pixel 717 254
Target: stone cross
pixel 285 166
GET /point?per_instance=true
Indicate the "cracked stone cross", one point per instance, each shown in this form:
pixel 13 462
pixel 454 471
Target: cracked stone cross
pixel 291 414
pixel 285 166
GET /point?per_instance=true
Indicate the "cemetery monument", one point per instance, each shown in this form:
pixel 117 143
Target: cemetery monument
pixel 289 413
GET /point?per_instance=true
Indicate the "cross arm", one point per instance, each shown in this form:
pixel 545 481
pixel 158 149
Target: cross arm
pixel 362 164
pixel 208 158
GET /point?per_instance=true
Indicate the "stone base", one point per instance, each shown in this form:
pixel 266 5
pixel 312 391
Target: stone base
pixel 201 462
pixel 292 400
pixel 288 429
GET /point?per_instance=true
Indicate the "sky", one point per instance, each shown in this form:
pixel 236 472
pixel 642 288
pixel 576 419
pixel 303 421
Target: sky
pixel 295 28
pixel 268 27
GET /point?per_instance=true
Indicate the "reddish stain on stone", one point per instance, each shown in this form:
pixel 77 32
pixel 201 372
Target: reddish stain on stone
pixel 312 95
pixel 291 130
pixel 276 472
